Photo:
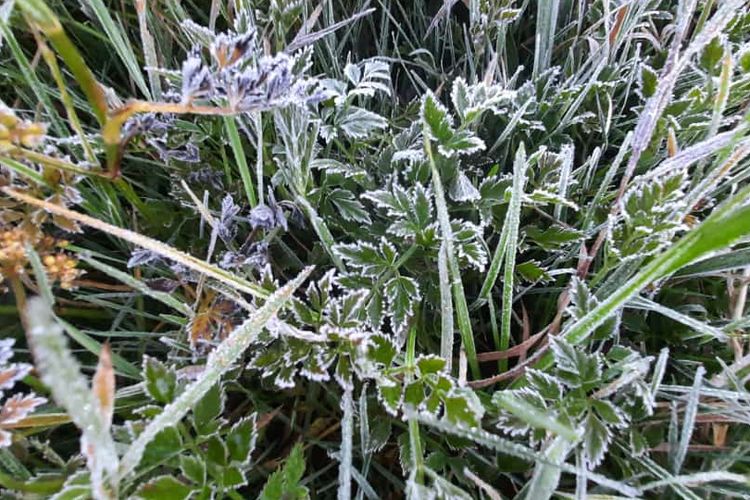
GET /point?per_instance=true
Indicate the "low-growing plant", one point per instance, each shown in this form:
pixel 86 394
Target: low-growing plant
pixel 429 249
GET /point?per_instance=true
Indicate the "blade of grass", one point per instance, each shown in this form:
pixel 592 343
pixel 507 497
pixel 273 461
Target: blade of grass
pixel 124 367
pixel 544 40
pixel 61 372
pixel 137 285
pixel 235 142
pixel 119 41
pixel 699 326
pixel 459 298
pixel 347 434
pixel 508 447
pixel 512 221
pixel 688 421
pixel 415 442
pixel 45 20
pixel 736 259
pixel 30 75
pixel 509 233
pixel 145 242
pixel 149 49
pixel 446 309
pixel 67 100
pixel 24 170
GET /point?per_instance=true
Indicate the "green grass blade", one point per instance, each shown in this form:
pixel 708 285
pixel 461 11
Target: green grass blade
pixel 119 42
pixel 512 221
pixel 139 286
pixel 446 308
pixel 230 125
pixel 38 88
pixel 459 298
pixel 544 40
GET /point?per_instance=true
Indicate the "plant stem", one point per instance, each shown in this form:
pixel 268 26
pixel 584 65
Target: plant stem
pixel 321 229
pixel 446 309
pixel 347 434
pixel 415 443
pixel 20 295
pixel 258 118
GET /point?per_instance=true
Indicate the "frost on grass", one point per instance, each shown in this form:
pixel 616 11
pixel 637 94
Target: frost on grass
pixel 495 196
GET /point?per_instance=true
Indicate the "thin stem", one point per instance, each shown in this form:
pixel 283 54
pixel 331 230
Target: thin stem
pixel 321 229
pixel 20 295
pixel 446 309
pixel 415 443
pixel 66 99
pixel 739 300
pixel 258 118
pixel 51 162
pixel 347 434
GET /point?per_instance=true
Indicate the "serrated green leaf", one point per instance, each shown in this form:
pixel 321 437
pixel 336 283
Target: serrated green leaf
pixel 284 483
pixel 532 416
pixel 649 80
pixel 166 444
pixel 596 440
pixel 159 380
pixel 712 54
pixel 208 409
pixel 463 407
pixel 194 468
pixel 429 365
pixel 436 120
pixel 164 488
pixel 402 296
pixel 241 439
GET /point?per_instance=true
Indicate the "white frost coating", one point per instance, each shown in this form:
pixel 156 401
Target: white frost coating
pixel 61 372
pixel 347 432
pixel 446 309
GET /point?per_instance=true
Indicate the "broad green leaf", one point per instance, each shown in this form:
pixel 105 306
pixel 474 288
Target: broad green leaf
pixel 166 444
pixel 430 364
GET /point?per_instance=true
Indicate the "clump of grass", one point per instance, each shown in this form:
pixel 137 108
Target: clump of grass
pixel 433 249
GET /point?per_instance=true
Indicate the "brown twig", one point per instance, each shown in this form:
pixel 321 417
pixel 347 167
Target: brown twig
pixel 515 351
pixel 513 373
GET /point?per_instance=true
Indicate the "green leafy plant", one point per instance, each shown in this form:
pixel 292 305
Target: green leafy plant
pixel 424 249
